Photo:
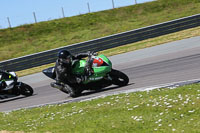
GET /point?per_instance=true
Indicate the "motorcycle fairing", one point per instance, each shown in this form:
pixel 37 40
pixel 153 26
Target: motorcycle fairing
pixel 97 62
pixel 100 70
pixel 9 79
pixel 50 72
pixel 79 68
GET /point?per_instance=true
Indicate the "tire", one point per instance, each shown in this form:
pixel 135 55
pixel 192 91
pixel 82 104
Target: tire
pixel 16 91
pixel 73 90
pixel 26 90
pixel 119 78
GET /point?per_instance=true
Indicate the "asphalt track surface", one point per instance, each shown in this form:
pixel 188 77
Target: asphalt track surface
pixel 171 62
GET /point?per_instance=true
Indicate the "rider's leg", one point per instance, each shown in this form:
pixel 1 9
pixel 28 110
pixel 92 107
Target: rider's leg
pixel 58 84
pixel 2 85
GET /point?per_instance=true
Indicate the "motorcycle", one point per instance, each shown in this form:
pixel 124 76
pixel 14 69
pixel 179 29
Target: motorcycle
pixel 104 75
pixel 10 86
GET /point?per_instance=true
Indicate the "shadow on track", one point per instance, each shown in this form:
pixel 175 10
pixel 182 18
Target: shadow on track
pixel 102 90
pixel 9 98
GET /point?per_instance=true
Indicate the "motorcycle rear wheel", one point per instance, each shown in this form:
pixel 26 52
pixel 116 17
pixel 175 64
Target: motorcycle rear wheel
pixel 119 78
pixel 73 90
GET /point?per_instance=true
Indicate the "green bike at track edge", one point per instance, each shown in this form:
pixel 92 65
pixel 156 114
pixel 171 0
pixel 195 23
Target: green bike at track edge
pixel 104 76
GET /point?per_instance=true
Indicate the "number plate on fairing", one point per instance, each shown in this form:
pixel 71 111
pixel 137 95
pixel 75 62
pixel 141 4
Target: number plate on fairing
pixel 96 78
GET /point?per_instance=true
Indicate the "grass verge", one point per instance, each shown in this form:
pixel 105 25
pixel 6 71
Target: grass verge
pixel 160 110
pixel 131 47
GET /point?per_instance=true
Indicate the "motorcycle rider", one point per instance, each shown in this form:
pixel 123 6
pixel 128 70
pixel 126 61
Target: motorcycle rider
pixel 64 65
pixel 3 75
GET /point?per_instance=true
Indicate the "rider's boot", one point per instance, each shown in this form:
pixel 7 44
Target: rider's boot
pixel 57 85
pixel 60 86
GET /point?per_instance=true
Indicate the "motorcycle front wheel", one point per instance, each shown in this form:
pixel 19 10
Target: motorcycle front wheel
pixel 26 90
pixel 119 78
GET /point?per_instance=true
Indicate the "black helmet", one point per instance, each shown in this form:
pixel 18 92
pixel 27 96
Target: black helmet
pixel 64 56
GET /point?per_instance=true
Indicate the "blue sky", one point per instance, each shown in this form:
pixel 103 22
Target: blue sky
pixel 21 11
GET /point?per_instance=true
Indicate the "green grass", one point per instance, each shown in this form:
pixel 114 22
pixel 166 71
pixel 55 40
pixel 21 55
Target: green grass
pixel 28 39
pixel 160 110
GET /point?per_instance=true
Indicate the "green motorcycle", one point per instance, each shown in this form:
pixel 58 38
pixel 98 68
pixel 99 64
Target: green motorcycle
pixel 102 77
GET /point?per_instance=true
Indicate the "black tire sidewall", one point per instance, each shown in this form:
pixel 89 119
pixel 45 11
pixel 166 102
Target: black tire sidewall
pixel 117 75
pixel 74 90
pixel 24 87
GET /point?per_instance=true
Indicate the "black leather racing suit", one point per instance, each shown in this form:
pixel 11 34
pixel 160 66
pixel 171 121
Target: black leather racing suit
pixel 64 72
pixel 3 75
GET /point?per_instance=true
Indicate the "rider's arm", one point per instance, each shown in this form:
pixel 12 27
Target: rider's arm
pixel 82 55
pixel 3 71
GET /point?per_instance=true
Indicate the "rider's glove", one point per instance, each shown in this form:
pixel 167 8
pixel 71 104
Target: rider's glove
pixel 95 53
pixel 90 53
pixel 4 71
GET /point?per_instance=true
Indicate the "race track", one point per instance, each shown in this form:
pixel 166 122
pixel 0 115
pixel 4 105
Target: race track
pixel 171 62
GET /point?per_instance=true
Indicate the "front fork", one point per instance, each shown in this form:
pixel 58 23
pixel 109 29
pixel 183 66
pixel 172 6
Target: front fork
pixel 109 77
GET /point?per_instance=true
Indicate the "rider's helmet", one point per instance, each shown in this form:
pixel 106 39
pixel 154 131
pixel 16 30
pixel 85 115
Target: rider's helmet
pixel 65 57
